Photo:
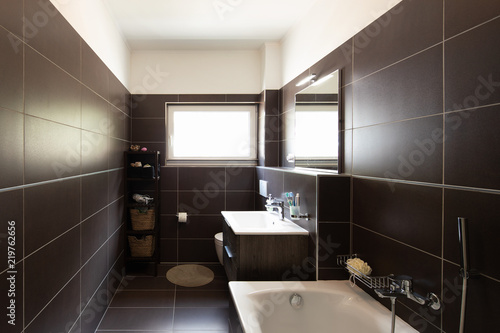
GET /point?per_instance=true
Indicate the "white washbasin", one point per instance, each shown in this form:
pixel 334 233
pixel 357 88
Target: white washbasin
pixel 260 223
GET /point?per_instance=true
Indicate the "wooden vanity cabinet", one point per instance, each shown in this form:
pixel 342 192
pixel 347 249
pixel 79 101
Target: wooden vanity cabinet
pixel 262 257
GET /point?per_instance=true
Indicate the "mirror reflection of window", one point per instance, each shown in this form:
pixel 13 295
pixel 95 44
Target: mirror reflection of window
pixel 316 124
pixel 316 132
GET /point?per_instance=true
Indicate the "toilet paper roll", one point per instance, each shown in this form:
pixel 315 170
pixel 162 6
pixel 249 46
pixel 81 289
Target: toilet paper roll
pixel 182 217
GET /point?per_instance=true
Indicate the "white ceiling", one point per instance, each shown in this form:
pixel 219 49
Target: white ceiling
pixel 205 24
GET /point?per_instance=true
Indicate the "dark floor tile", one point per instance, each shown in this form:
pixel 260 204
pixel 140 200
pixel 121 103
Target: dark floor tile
pixel 137 319
pixel 216 284
pixel 146 283
pixel 144 299
pixel 207 319
pixel 201 299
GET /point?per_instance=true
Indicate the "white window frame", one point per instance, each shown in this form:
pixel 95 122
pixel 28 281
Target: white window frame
pixel 171 108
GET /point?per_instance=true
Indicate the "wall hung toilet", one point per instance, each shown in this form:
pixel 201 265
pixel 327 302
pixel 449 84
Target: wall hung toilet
pixel 218 246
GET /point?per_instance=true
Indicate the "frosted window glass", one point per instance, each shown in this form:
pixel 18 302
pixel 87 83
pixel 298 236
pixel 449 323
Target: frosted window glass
pixel 212 133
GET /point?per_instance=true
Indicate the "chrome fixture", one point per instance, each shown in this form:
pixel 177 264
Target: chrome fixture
pixel 273 204
pixel 390 286
pixel 296 301
pixel 305 80
pixel 403 286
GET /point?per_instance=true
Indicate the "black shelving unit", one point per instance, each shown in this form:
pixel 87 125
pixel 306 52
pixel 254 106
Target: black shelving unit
pixel 144 181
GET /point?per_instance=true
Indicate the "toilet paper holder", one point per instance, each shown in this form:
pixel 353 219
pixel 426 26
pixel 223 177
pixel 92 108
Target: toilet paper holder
pixel 182 217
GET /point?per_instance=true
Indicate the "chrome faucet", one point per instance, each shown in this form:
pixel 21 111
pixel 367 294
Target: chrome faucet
pixel 275 204
pixel 402 286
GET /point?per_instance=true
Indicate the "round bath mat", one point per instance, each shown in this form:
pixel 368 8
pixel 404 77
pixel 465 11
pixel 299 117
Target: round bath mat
pixel 190 275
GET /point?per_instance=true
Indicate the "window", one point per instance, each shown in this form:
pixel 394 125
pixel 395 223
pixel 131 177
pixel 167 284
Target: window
pixel 211 133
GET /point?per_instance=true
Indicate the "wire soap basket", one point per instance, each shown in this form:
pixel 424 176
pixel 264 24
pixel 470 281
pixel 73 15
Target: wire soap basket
pixel 373 282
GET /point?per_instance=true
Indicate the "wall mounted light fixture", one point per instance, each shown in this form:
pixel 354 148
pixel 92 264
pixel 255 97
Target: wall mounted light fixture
pixel 306 80
pixel 323 79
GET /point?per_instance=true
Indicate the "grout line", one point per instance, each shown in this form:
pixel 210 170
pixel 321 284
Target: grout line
pixel 397 241
pixel 419 183
pixel 56 180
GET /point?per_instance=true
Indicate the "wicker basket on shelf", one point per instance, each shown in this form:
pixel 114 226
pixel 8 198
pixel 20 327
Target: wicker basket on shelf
pixel 141 246
pixel 142 218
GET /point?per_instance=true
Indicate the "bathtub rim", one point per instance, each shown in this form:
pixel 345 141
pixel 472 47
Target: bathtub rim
pixel 243 304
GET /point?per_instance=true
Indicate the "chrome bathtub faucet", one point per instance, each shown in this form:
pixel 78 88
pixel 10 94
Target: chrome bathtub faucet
pixel 403 286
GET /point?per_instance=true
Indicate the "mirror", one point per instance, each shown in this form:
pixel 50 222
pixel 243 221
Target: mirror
pixel 316 124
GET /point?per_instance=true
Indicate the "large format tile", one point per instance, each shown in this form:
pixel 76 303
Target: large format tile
pixel 11 16
pixel 143 299
pixel 94 112
pixel 138 319
pixel 481 211
pixel 470 159
pixel 95 74
pixel 201 178
pixel 94 194
pixel 410 214
pixel 93 275
pixel 472 68
pixel 61 313
pixel 94 233
pixel 482 305
pixel 5 297
pixel 151 106
pixel 409 89
pixel 11 148
pixel 46 155
pixel 47 31
pixel 41 284
pixel 95 152
pixel 202 202
pixel 148 130
pixel 11 206
pixel 386 256
pixel 461 15
pixel 50 93
pixel 207 319
pixel 204 226
pixel 11 70
pixel 410 150
pixel 50 210
pixel 409 27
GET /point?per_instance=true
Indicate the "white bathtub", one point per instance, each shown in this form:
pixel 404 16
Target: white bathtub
pixel 328 307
